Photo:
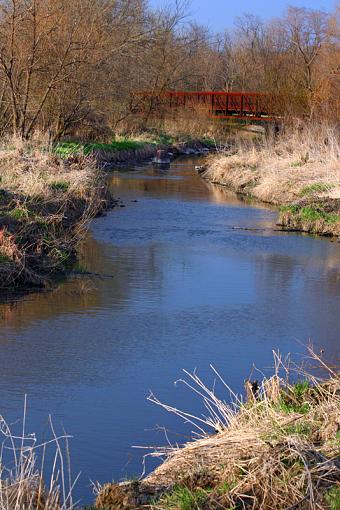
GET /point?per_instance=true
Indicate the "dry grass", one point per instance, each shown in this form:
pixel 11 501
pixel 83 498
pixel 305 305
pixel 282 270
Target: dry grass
pixel 302 160
pixel 23 467
pixel 280 450
pixel 301 166
pixel 32 169
pixel 45 206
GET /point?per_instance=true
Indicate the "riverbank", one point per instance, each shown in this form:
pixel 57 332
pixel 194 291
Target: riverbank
pixel 49 193
pixel 298 171
pixel 279 450
pixel 45 206
pixel 54 343
pixel 135 149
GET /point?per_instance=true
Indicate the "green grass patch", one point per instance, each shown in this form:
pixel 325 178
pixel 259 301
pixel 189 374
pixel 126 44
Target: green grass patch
pixel 292 209
pixel 80 268
pixel 25 214
pixel 181 498
pixel 42 223
pixel 311 213
pixel 61 186
pixel 4 259
pixel 300 388
pixel 69 148
pixel 333 498
pixel 210 142
pixel 21 213
pixel 225 487
pixel 317 187
pixel 62 258
pixel 163 139
pixel 301 428
pixel 289 405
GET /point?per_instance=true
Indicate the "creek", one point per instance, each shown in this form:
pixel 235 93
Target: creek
pixel 184 276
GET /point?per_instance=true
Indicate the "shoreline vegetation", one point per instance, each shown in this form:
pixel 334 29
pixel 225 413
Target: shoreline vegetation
pixel 75 71
pixel 56 62
pixel 45 206
pixel 135 148
pixel 297 170
pixel 50 192
pixel 279 449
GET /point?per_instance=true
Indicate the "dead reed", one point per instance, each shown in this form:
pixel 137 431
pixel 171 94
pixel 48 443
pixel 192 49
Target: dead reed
pixel 279 450
pixel 26 483
pixel 298 170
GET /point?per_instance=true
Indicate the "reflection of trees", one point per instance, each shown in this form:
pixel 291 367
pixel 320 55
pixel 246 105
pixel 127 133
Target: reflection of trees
pixel 68 332
pixel 296 283
pixel 115 274
pixel 72 296
pixel 303 289
pixel 153 182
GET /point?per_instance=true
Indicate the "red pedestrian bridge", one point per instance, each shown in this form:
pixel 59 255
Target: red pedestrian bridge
pixel 216 105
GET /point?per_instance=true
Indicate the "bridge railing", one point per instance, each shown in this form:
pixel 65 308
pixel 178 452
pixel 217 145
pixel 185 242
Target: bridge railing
pixel 242 105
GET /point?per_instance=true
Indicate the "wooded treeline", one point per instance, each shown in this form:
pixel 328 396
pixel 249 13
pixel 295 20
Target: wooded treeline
pixel 69 67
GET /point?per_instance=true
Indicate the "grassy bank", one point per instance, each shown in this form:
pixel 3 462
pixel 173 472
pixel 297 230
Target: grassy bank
pixel 279 450
pixel 299 171
pixel 45 206
pixel 140 146
pixel 48 194
pixel 69 148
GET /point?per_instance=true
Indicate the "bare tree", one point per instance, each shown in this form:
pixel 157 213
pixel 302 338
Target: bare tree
pixel 308 32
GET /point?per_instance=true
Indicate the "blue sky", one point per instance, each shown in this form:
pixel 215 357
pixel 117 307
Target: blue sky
pixel 219 14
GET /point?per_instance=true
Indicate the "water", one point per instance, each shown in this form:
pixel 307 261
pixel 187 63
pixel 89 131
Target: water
pixel 180 282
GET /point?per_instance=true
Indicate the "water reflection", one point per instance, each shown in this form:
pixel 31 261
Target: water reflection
pixel 180 181
pixel 174 285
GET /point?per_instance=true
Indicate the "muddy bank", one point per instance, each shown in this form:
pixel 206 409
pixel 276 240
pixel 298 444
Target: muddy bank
pixel 45 207
pixel 279 450
pixel 109 158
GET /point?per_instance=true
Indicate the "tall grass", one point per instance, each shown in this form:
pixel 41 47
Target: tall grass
pixel 278 449
pixel 302 160
pixel 32 169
